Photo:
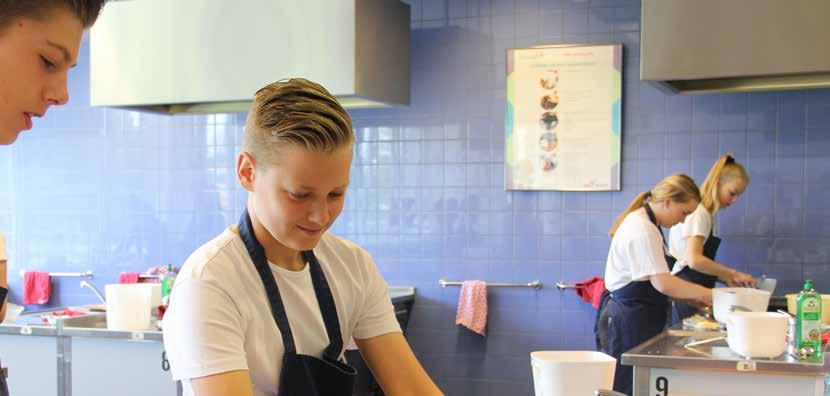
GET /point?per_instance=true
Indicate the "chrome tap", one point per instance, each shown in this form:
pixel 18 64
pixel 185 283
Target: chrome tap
pixel 85 283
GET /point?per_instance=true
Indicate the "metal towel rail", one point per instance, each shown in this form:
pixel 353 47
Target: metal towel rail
pixel 562 286
pixel 85 274
pixel 535 284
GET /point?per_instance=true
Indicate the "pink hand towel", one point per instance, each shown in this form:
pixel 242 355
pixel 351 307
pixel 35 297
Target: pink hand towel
pixel 590 290
pixel 472 306
pixel 36 287
pixel 128 277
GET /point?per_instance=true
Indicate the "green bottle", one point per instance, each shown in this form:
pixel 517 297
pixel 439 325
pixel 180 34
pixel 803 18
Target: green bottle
pixel 167 280
pixel 808 319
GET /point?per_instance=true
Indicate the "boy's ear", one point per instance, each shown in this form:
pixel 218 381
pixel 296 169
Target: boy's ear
pixel 245 170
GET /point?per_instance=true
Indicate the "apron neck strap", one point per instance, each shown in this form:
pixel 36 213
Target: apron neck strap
pixel 321 289
pixel 326 302
pixel 653 219
pixel 257 253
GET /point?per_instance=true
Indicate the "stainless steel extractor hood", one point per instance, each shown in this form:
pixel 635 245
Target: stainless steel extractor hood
pixel 211 56
pixel 696 46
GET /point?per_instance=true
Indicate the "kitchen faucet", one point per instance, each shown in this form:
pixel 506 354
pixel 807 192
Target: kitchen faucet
pixel 85 283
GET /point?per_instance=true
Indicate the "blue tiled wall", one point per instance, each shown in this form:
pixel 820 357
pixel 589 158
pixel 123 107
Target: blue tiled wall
pixel 113 191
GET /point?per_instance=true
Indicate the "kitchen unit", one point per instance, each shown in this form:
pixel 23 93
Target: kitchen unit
pixel 664 366
pixel 80 356
pixel 34 355
pixel 102 360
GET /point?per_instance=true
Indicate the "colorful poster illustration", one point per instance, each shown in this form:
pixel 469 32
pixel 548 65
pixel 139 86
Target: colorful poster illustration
pixel 563 122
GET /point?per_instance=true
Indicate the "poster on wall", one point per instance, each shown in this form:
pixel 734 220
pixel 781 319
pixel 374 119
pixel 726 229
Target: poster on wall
pixel 564 118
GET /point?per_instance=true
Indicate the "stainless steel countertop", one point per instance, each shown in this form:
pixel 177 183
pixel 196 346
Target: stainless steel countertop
pixel 94 325
pixel 666 350
pixel 401 294
pixel 29 325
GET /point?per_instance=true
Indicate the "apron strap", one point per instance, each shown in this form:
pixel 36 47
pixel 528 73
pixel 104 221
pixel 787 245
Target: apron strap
pixel 327 307
pixel 653 220
pixel 670 260
pixel 325 299
pixel 257 253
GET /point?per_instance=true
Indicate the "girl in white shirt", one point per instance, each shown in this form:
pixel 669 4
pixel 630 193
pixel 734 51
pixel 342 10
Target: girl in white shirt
pixel 637 272
pixel 268 306
pixel 694 242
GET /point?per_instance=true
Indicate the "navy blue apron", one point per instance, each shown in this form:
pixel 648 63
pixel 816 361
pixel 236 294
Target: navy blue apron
pixel 710 249
pixel 637 312
pixel 602 318
pixel 303 375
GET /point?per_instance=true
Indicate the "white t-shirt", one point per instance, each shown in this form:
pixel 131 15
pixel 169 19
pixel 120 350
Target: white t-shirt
pixel 698 223
pixel 637 252
pixel 219 318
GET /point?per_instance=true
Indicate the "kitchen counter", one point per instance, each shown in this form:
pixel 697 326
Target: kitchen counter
pixel 664 358
pixel 94 324
pixel 667 350
pixel 93 360
pixel 401 294
pixel 29 325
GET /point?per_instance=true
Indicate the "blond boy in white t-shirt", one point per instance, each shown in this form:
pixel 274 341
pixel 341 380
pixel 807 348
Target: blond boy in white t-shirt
pixel 219 332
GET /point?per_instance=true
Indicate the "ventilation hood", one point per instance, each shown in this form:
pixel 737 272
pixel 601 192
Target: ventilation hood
pixel 735 45
pixel 211 56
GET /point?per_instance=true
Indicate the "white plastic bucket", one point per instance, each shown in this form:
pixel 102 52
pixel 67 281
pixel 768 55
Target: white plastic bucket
pixel 757 334
pixel 571 373
pixel 155 295
pixel 128 306
pixel 723 298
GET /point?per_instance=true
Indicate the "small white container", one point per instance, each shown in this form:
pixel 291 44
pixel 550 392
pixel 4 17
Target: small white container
pixel 128 306
pixel 565 373
pixel 723 298
pixel 757 334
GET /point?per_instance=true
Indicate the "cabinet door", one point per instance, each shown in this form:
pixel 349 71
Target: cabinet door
pixel 32 362
pixel 119 367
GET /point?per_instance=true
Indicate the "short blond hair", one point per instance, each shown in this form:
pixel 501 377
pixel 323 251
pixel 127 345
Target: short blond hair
pixel 678 188
pixel 295 112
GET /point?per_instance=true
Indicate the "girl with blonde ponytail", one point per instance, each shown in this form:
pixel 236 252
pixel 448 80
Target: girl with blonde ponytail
pixel 637 272
pixel 694 242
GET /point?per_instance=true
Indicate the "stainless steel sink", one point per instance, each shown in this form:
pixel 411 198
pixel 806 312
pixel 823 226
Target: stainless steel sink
pixel 94 325
pixel 36 318
pixel 33 323
pixel 94 320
